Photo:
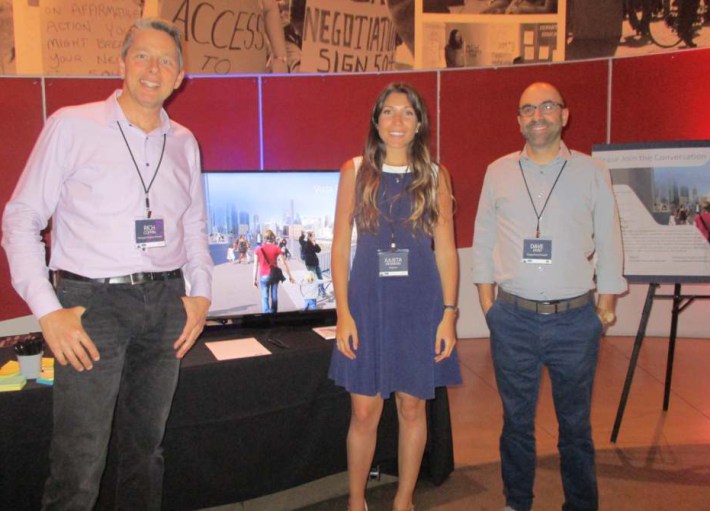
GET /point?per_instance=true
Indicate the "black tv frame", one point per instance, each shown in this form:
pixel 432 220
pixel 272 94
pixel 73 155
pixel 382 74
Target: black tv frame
pixel 288 318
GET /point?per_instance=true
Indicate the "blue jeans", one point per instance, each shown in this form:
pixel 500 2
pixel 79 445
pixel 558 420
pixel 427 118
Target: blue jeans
pixel 269 294
pixel 567 343
pixel 316 269
pixel 131 386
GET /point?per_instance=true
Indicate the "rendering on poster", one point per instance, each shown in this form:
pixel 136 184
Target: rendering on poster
pixel 663 195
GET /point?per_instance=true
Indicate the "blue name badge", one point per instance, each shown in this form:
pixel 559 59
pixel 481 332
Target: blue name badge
pixel 393 263
pixel 150 232
pixel 537 251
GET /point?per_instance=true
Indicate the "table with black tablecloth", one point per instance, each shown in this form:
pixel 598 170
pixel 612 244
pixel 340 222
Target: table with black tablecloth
pixel 238 429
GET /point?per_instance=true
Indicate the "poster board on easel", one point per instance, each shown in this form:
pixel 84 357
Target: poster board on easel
pixel 662 191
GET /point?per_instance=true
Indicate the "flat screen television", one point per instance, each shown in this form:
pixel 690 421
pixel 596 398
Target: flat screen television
pixel 247 203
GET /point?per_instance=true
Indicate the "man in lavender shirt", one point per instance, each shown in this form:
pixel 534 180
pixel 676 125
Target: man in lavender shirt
pixel 121 183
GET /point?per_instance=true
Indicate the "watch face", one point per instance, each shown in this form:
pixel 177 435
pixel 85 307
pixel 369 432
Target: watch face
pixel 607 316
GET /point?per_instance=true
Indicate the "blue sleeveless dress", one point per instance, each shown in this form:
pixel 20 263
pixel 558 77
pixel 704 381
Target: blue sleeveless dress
pixel 396 317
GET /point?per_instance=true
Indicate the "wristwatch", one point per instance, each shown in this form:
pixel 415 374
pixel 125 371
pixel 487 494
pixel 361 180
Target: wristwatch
pixel 451 308
pixel 607 317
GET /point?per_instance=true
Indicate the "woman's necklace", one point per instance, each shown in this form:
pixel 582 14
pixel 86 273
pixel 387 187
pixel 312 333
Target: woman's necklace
pixel 398 176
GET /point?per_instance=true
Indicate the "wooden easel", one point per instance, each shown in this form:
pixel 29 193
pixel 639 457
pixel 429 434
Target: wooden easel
pixel 680 302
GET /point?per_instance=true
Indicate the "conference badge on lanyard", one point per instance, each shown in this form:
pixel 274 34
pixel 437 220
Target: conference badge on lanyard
pixel 394 263
pixel 150 233
pixel 537 251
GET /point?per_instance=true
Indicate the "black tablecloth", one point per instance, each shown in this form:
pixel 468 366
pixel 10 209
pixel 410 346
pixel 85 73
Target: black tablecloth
pixel 238 429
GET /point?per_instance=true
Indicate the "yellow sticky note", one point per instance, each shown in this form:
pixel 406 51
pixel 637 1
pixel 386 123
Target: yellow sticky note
pixel 10 368
pixel 47 362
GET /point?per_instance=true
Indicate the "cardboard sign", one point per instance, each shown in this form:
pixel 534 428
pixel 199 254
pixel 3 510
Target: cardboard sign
pixel 221 36
pixel 84 38
pixel 347 37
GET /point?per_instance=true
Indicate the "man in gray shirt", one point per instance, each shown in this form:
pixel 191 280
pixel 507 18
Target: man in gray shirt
pixel 547 233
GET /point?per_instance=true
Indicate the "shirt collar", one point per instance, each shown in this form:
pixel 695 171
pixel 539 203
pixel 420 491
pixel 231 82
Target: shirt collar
pixel 114 113
pixel 564 154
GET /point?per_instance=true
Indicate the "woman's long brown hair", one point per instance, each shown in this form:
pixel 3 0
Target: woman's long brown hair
pixel 424 183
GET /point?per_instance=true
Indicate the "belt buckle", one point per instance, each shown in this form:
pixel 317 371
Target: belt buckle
pixel 134 278
pixel 552 304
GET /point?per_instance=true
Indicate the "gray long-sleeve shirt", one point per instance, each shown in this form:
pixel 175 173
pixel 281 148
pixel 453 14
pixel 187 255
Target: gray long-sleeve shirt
pixel 580 219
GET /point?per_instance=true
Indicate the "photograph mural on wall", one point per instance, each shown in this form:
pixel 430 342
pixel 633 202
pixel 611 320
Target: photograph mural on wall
pixel 7 39
pixel 487 44
pixel 474 33
pixel 229 36
pixel 347 36
pixel 82 37
pixel 490 6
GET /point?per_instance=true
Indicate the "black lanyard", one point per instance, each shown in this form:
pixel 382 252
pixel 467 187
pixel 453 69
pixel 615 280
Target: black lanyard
pixel 145 189
pixel 539 215
pixel 390 219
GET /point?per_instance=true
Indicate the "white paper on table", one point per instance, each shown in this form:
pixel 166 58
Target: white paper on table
pixel 326 332
pixel 237 348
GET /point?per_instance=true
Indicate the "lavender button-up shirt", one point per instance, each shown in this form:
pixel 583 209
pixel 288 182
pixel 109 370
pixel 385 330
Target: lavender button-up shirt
pixel 81 175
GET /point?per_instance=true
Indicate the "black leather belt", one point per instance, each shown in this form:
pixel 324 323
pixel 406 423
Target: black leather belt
pixel 545 307
pixel 132 279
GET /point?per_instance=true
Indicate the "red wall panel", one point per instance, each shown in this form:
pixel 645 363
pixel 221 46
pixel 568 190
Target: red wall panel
pixel 661 97
pixel 318 122
pixel 479 121
pixel 61 92
pixel 20 124
pixel 223 114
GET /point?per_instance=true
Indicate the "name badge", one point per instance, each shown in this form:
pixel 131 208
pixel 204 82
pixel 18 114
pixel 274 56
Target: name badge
pixel 537 251
pixel 394 263
pixel 150 232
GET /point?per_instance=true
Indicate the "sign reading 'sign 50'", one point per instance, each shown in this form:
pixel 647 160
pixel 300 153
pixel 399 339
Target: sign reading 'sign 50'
pixel 347 36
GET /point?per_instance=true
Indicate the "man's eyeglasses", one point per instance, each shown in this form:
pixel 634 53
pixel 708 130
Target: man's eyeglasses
pixel 546 107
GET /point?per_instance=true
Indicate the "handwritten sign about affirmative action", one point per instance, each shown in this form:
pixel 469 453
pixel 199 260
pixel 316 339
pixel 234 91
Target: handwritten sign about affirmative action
pixel 347 36
pixel 221 36
pixel 84 37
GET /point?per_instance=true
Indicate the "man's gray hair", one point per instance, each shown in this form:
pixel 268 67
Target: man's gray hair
pixel 156 24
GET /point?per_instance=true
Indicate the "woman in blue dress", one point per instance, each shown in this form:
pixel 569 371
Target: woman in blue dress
pixel 396 306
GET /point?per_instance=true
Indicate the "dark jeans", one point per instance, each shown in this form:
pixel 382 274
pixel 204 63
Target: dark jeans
pixel 134 328
pixel 269 294
pixel 567 343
